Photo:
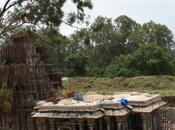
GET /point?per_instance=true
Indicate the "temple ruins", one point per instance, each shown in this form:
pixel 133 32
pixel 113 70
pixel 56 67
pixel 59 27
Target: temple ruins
pixel 30 87
pixel 103 112
pixel 26 76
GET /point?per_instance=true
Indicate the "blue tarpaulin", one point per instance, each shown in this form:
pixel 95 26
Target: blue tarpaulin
pixel 78 96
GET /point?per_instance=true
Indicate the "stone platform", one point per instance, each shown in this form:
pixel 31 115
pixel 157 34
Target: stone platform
pixel 104 112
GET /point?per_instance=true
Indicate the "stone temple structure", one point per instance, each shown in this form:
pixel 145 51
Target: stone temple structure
pixel 28 80
pixel 103 112
pixel 25 78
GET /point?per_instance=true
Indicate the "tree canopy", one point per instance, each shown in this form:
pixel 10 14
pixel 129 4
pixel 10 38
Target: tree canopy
pixel 123 47
pixel 119 47
pixel 146 60
pixel 15 13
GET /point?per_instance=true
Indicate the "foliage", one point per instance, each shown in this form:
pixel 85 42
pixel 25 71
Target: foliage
pixel 157 34
pixel 120 47
pixel 95 71
pixel 148 60
pixel 57 44
pixel 104 41
pixel 124 47
pixel 129 31
pixel 107 39
pixel 116 70
pixel 76 64
pixel 5 98
pixel 15 13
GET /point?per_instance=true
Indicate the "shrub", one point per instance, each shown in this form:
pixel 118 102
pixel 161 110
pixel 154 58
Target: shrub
pixel 76 64
pixel 115 70
pixel 95 71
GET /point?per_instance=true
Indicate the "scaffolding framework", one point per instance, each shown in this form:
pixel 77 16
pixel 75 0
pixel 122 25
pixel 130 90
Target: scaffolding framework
pixel 25 68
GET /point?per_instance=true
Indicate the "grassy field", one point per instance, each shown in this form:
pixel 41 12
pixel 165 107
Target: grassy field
pixel 165 85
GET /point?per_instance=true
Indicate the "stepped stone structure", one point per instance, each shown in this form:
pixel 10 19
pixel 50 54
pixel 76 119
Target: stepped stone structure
pixel 29 90
pixel 25 78
pixel 103 112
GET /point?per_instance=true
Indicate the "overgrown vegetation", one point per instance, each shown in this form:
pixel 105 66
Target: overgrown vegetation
pixel 110 48
pixel 76 64
pixel 146 60
pixel 38 14
pixel 164 85
pixel 5 98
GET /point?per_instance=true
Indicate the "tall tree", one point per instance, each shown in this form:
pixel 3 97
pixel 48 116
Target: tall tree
pixel 15 13
pixel 76 64
pixel 57 44
pixel 80 40
pixel 129 31
pixel 157 34
pixel 148 60
pixel 103 39
pixel 97 42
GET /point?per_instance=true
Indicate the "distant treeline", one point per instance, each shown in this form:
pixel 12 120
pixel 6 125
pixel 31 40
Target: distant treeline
pixel 120 47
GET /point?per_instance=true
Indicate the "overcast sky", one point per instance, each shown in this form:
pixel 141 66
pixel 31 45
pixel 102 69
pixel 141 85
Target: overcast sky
pixel 160 11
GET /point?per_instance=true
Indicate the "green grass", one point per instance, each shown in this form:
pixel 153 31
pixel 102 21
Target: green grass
pixel 164 85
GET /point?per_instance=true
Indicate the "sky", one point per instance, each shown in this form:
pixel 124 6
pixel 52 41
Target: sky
pixel 160 11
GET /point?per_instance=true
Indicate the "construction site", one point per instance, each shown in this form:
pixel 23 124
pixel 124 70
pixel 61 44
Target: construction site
pixel 25 78
pixel 30 98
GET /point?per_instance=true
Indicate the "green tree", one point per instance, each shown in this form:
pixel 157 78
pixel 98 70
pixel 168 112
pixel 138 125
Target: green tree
pixel 103 38
pixel 57 44
pixel 15 13
pixel 107 39
pixel 157 34
pixel 116 70
pixel 76 64
pixel 97 42
pixel 80 40
pixel 129 31
pixel 148 60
